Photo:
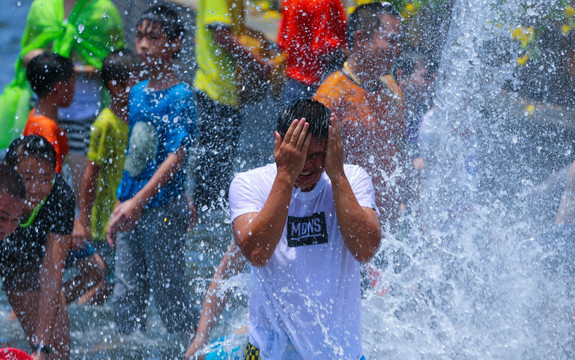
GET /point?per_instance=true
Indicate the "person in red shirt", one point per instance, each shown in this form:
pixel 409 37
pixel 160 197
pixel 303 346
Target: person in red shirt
pixel 312 34
pixel 51 76
pixel 39 124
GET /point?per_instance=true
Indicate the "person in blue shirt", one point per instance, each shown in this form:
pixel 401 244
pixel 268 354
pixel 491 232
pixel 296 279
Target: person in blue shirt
pixel 150 221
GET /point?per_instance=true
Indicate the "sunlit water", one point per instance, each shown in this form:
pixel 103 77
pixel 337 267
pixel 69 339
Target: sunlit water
pixel 489 277
pixel 481 272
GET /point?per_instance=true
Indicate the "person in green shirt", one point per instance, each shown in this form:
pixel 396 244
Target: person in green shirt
pixel 106 154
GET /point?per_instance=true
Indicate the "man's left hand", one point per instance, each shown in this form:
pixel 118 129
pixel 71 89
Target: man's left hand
pixel 334 154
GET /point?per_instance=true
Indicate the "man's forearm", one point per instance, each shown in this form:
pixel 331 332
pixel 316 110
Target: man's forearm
pixel 259 235
pixel 50 285
pixel 359 226
pixel 214 301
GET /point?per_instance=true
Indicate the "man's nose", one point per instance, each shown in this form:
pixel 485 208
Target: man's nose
pixel 308 164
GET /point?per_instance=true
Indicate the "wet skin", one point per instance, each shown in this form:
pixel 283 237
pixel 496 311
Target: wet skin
pixel 67 88
pixel 153 45
pixel 38 176
pixel 11 209
pixel 314 165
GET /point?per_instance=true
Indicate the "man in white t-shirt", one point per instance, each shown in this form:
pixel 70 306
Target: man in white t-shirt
pixel 305 223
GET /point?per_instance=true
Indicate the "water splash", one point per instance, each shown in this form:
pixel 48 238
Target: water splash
pixel 483 280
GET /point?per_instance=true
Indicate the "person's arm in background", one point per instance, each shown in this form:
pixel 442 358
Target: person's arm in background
pixel 86 70
pixel 224 36
pixel 127 213
pixel 215 301
pixel 566 211
pixel 89 187
pixel 53 263
pixel 82 225
pixel 359 225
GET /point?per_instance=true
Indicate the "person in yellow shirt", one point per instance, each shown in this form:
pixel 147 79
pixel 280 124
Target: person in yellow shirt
pixel 218 53
pixel 106 154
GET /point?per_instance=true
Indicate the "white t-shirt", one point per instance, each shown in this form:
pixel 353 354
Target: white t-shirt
pixel 305 303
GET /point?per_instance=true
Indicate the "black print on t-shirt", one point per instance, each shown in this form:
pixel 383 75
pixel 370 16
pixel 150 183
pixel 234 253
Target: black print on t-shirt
pixel 307 230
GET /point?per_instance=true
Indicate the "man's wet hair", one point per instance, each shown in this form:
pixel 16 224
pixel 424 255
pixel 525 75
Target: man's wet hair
pixel 46 69
pixel 367 19
pixel 32 145
pixel 11 182
pixel 119 65
pixel 316 114
pixel 168 17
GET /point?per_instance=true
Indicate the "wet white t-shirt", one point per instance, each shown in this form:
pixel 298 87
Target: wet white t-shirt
pixel 305 302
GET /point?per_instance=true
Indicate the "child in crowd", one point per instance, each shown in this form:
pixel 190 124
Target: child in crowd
pixel 12 196
pixel 149 224
pixel 51 76
pixel 32 259
pixel 108 143
pixel 415 75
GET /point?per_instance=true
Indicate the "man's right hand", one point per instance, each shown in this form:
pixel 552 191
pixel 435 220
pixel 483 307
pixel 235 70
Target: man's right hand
pixel 290 153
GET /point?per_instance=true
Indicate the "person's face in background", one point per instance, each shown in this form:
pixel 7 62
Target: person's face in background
pixel 38 176
pixel 121 90
pixel 11 209
pixel 416 86
pixel 384 46
pixel 153 45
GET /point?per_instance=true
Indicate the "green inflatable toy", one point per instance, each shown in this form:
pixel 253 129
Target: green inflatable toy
pixel 93 29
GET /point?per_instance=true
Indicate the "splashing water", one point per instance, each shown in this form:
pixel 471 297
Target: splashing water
pixel 483 281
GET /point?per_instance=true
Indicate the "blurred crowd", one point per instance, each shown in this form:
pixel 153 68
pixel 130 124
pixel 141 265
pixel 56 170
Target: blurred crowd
pixel 99 141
